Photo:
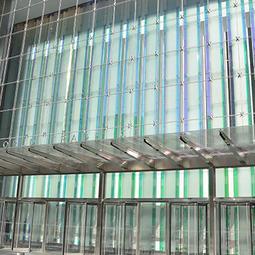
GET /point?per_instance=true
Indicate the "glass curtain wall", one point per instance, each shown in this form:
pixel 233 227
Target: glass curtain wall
pixel 109 69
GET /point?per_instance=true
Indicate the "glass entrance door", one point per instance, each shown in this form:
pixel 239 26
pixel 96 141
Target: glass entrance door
pixel 236 228
pixel 38 226
pixel 152 228
pixel 8 214
pixel 54 227
pixel 155 228
pixel 29 227
pixel 120 229
pixel 81 228
pixel 23 227
pixel 189 231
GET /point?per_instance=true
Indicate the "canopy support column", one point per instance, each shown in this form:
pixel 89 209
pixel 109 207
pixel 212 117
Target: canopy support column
pixel 212 215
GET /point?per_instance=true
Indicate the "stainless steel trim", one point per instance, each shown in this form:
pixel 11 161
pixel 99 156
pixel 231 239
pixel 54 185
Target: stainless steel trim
pixel 106 156
pixel 206 157
pixel 135 155
pixel 170 155
pixel 233 148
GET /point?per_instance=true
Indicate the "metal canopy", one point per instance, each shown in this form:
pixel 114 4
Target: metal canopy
pixel 217 148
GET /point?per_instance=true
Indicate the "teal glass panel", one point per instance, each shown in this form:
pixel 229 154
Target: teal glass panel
pixel 9 186
pixel 61 186
pixel 161 184
pixel 235 182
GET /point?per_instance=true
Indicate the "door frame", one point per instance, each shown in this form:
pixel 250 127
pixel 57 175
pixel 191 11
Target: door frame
pixel 231 203
pixel 168 204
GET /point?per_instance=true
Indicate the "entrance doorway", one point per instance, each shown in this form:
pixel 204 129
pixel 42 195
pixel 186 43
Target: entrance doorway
pixel 154 228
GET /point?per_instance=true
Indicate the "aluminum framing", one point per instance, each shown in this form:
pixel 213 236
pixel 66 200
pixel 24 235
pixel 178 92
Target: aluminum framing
pixel 212 202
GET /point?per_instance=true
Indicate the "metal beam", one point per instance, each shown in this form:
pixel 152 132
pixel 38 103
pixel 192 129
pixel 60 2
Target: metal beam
pixel 51 157
pixel 197 150
pixel 135 154
pixel 171 156
pixel 33 160
pixel 26 159
pixel 212 215
pixel 232 147
pixel 21 165
pixel 11 166
pixel 106 156
pixel 83 158
pixel 3 171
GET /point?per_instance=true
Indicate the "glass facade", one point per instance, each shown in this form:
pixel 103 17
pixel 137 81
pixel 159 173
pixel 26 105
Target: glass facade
pixel 127 68
pixel 82 70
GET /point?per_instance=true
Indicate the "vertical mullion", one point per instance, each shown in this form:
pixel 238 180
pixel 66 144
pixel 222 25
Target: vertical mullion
pixel 84 220
pixel 123 102
pixel 251 230
pixel 17 230
pixel 212 210
pixel 123 230
pixel 251 73
pixel 67 210
pixel 157 72
pixel 206 230
pixel 181 227
pixel 198 227
pixel 45 227
pixel 85 88
pixel 220 229
pixel 182 56
pixel 2 224
pixel 207 65
pixel 138 220
pixel 223 67
pixel 119 85
pixel 20 182
pixel 169 218
pixel 101 196
pixel 31 228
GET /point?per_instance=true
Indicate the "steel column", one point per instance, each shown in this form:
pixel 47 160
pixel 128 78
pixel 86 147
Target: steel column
pixel 101 195
pixel 251 228
pixel 212 215
pixel 18 194
pixel 65 227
